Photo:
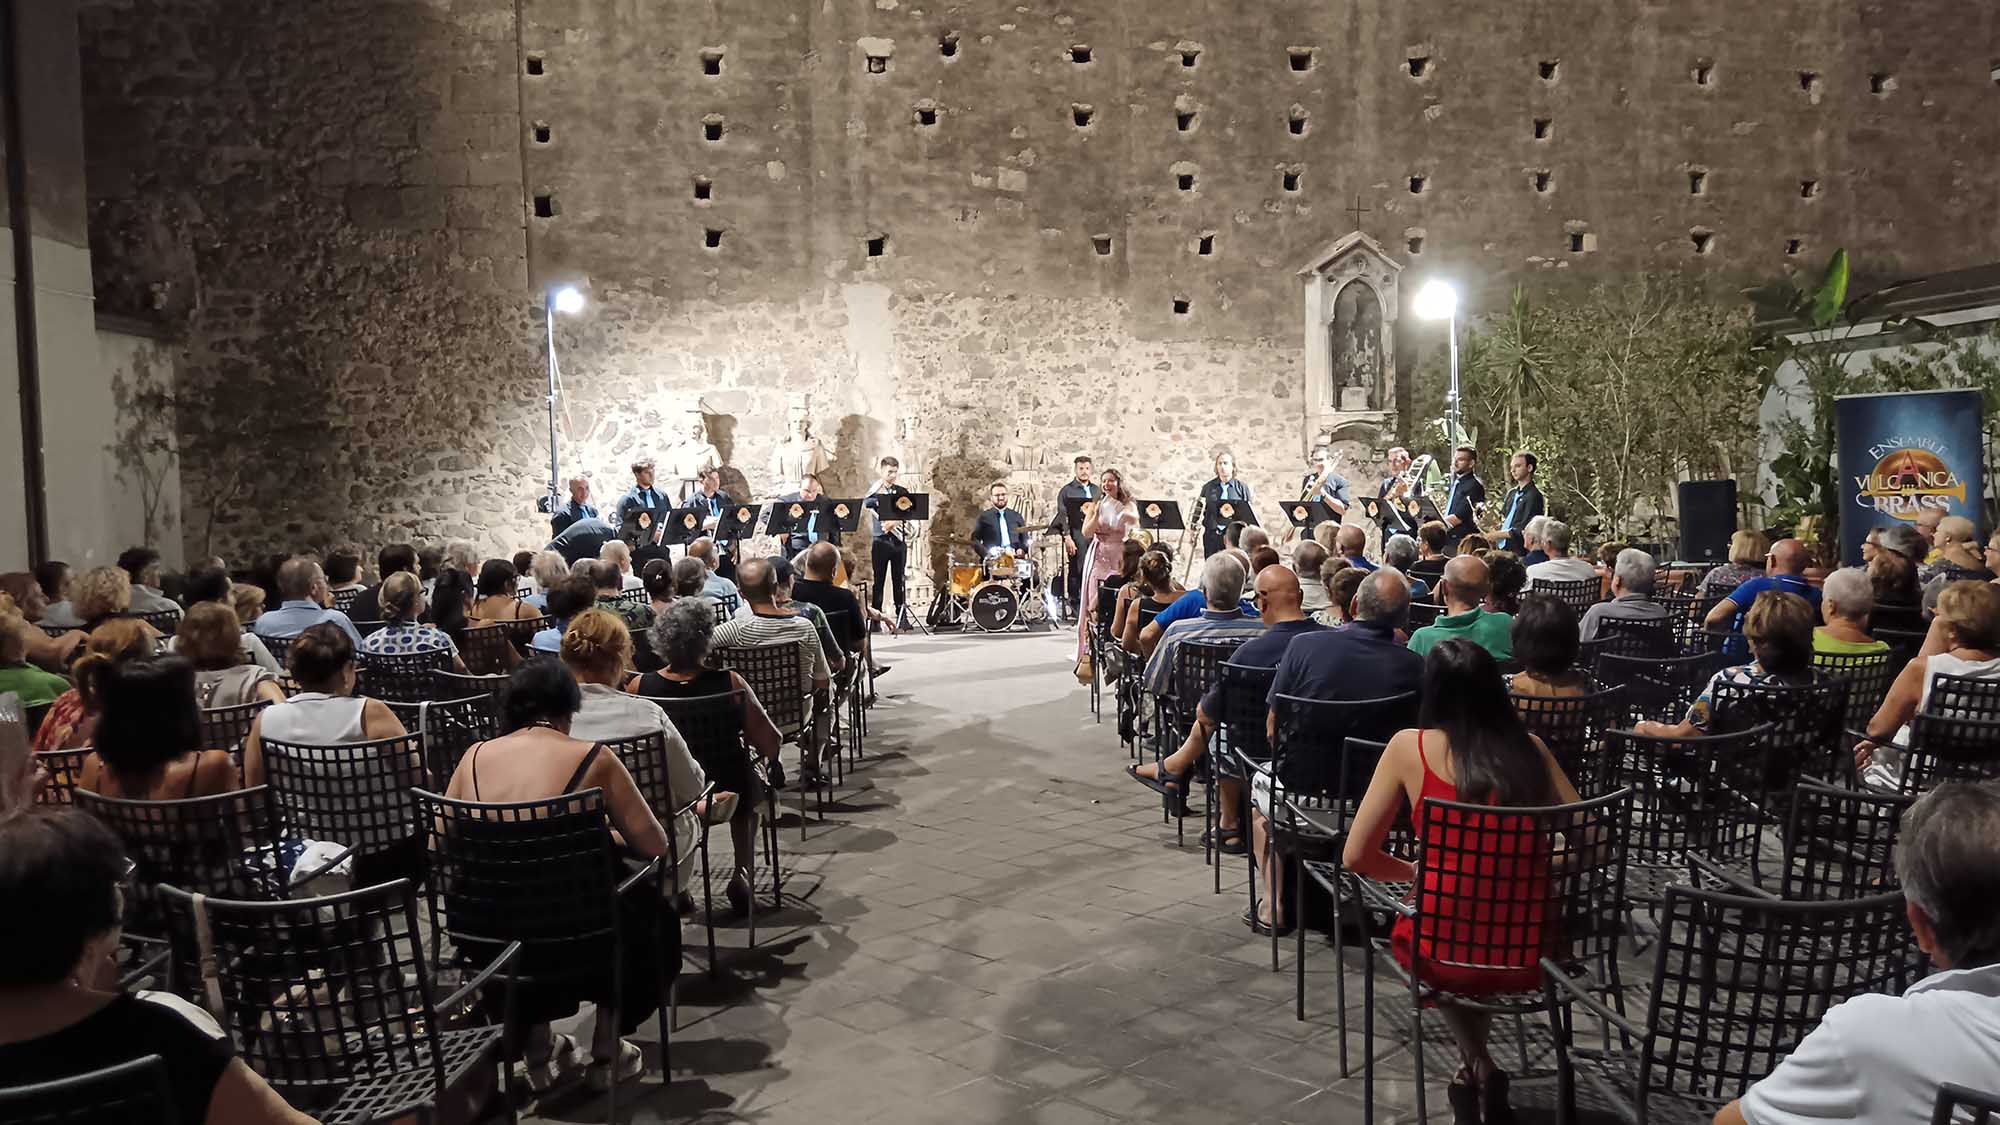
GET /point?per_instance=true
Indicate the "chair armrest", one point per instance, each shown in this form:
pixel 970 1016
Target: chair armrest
pixel 1733 879
pixel 650 871
pixel 1579 992
pixel 148 959
pixel 299 878
pixel 1378 895
pixel 706 793
pixel 1883 743
pixel 478 980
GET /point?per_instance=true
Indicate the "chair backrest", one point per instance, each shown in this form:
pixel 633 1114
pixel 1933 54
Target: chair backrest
pixel 1545 882
pixel 1659 688
pixel 1311 759
pixel 280 648
pixel 1957 1103
pixel 400 677
pixel 1245 689
pixel 315 991
pixel 1840 843
pixel 538 872
pixel 224 845
pixel 712 727
pixel 1903 643
pixel 837 624
pixel 63 768
pixel 343 600
pixel 522 632
pixel 454 685
pixel 487 649
pixel 358 794
pixel 1867 675
pixel 369 628
pixel 1646 638
pixel 635 596
pixel 225 728
pixel 1905 617
pixel 135 1090
pixel 1195 662
pixel 1572 727
pixel 774 675
pixel 1424 614
pixel 450 727
pixel 1698 796
pixel 1807 721
pixel 1146 615
pixel 1964 697
pixel 723 611
pixel 165 620
pixel 1579 595
pixel 1739 981
pixel 1943 749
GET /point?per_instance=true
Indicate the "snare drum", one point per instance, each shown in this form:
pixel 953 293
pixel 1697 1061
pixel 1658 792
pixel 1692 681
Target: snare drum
pixel 1024 569
pixel 1002 566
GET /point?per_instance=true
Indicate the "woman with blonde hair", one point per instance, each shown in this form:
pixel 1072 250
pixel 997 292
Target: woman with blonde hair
pixel 31 606
pixel 211 639
pixel 72 722
pixel 101 594
pixel 1113 518
pixel 1746 561
pixel 1964 640
pixel 248 601
pixel 402 600
pixel 1779 630
pixel 549 570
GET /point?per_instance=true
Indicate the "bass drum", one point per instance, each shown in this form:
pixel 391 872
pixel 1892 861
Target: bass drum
pixel 995 607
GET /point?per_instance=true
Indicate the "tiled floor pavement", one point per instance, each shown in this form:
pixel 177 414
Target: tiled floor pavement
pixel 993 925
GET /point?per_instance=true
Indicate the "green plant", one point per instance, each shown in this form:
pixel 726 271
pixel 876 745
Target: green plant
pixel 144 445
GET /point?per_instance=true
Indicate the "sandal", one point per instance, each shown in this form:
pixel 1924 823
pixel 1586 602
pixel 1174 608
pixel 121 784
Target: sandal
pixel 560 1065
pixel 631 1064
pixel 1464 1098
pixel 1228 841
pixel 1493 1106
pixel 1165 783
pixel 1260 927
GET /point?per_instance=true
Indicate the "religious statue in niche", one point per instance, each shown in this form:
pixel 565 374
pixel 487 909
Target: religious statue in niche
pixel 1354 337
pixel 801 452
pixel 691 456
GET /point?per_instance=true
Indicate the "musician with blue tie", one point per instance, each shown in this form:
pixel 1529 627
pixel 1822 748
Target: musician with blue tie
pixel 998 530
pixel 1463 498
pixel 816 524
pixel 1523 503
pixel 707 500
pixel 1225 499
pixel 642 497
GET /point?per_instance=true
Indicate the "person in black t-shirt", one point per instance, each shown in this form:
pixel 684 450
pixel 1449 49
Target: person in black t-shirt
pixel 1465 495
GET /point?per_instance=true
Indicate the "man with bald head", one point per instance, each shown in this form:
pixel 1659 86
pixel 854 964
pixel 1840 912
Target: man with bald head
pixel 1784 570
pixel 1463 591
pixel 1284 620
pixel 769 626
pixel 1348 543
pixel 1927 526
pixel 822 562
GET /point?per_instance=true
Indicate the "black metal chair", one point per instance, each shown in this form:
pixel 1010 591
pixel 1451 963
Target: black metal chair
pixel 1907 617
pixel 279 647
pixel 723 611
pixel 488 649
pixel 1691 796
pixel 645 758
pixel 773 674
pixel 1424 614
pixel 845 709
pixel 1642 637
pixel 449 728
pixel 1194 665
pixel 455 685
pixel 1980 1108
pixel 369 628
pixel 1943 749
pixel 165 620
pixel 399 677
pixel 522 632
pixel 358 795
pixel 712 727
pixel 63 768
pixel 1868 676
pixel 1838 843
pixel 1579 595
pixel 343 600
pixel 1573 727
pixel 1240 738
pixel 135 1090
pixel 1807 724
pixel 1659 689
pixel 1499 893
pixel 1903 643
pixel 225 728
pixel 1964 697
pixel 546 875
pixel 1738 981
pixel 636 596
pixel 332 1001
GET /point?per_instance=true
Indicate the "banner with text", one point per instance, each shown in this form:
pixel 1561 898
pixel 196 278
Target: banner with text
pixel 1903 453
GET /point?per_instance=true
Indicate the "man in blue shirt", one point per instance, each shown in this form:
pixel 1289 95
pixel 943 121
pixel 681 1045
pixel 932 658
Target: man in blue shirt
pixel 1187 606
pixel 1348 543
pixel 1334 490
pixel 303 586
pixel 1784 569
pixel 1222 587
pixel 578 507
pixel 641 496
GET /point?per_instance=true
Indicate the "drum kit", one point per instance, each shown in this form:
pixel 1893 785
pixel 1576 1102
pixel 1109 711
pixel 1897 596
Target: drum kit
pixel 996 593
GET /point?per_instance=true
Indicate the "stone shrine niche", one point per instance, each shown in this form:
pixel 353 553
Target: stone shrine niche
pixel 1350 316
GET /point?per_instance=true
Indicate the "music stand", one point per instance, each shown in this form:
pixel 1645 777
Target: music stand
pixel 683 527
pixel 1308 514
pixel 739 522
pixel 783 522
pixel 910 507
pixel 846 512
pixel 641 526
pixel 1160 515
pixel 1236 511
pixel 1420 510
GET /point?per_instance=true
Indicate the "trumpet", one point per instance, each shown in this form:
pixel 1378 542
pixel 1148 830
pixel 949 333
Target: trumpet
pixel 1187 532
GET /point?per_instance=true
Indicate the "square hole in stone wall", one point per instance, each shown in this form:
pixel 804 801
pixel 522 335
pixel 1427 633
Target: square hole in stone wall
pixel 1703 239
pixel 1413 240
pixel 1545 180
pixel 1418 65
pixel 1081 115
pixel 1300 59
pixel 1205 245
pixel 1184 181
pixel 1080 54
pixel 1290 180
pixel 546 206
pixel 1190 57
pixel 1296 121
pixel 1102 244
pixel 711 127
pixel 1184 120
pixel 1544 128
pixel 1419 184
pixel 927 113
pixel 1549 69
pixel 542 133
pixel 1582 242
pixel 1794 247
pixel 704 188
pixel 1182 305
pixel 712 238
pixel 1697 181
pixel 711 61
pixel 1808 189
pixel 1881 83
pixel 948 44
pixel 878 64
pixel 878 245
pixel 535 64
pixel 1809 81
pixel 1703 72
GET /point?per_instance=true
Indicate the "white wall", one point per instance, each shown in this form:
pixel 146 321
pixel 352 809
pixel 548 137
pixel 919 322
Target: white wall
pixel 13 496
pixel 136 359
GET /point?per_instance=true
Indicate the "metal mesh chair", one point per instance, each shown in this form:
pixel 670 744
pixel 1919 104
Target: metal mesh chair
pixel 1579 595
pixel 522 632
pixel 1194 665
pixel 165 620
pixel 1691 796
pixel 1738 982
pixel 1499 892
pixel 1868 676
pixel 1947 749
pixel 1424 614
pixel 712 727
pixel 773 674
pixel 135 1090
pixel 1979 1108
pixel 545 874
pixel 645 758
pixel 1838 843
pixel 1642 637
pixel 1572 727
pixel 332 1001
pixel 455 685
pixel 399 677
pixel 847 692
pixel 358 795
pixel 225 728
pixel 1807 725
pixel 488 649
pixel 369 628
pixel 1903 643
pixel 343 600
pixel 62 770
pixel 449 728
pixel 1239 739
pixel 1964 697
pixel 1658 689
pixel 279 647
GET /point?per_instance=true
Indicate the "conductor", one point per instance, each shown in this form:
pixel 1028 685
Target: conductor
pixel 998 528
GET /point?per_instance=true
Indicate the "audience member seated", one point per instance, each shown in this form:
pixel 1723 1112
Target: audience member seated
pixel 658 578
pixel 818 588
pixel 1926 527
pixel 537 759
pixel 1154 590
pixel 451 596
pixel 249 602
pixel 1341 591
pixel 325 712
pixel 549 570
pixel 61 1012
pixel 1505 580
pixel 303 586
pixel 1561 565
pixel 524 582
pixel 1222 616
pixel 609 582
pixel 770 626
pixel 142 568
pixel 1348 543
pixel 1474 545
pixel 1892 580
pixel 1463 591
pixel 1433 550
pixel 211 640
pixel 619 557
pixel 1400 551
pixel 1106 606
pixel 96 596
pixel 31 602
pixel 343 569
pixel 1881 1058
pixel 497 595
pixel 1846 599
pixel 1964 640
pixel 1631 594
pixel 1746 561
pixel 716 586
pixel 55 579
pixel 148 740
pixel 1534 551
pixel 597 650
pixel 1779 632
pixel 1283 621
pixel 403 605
pixel 36 687
pixel 1307 559
pixel 396 558
pixel 1957 558
pixel 570 597
pixel 210 583
pixel 1545 645
pixel 1785 574
pixel 1192 604
pixel 72 721
pixel 1469 746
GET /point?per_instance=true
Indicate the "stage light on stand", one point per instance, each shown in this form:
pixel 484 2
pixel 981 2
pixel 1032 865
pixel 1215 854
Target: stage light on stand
pixel 1438 300
pixel 568 300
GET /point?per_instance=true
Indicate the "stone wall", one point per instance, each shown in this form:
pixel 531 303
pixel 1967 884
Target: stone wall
pixel 969 216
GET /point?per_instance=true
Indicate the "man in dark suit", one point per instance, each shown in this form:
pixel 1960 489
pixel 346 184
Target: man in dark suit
pixel 582 539
pixel 816 523
pixel 999 527
pixel 1222 491
pixel 641 497
pixel 1079 488
pixel 1465 494
pixel 579 507
pixel 890 550
pixel 1523 503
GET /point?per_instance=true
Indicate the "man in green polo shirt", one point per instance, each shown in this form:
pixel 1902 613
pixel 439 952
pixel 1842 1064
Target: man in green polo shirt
pixel 1464 592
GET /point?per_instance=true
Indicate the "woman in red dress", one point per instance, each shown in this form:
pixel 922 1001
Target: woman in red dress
pixel 1491 876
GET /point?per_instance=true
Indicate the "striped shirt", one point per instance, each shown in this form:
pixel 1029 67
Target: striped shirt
pixel 759 631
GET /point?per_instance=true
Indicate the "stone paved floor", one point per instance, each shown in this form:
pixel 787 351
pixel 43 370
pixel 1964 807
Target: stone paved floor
pixel 993 925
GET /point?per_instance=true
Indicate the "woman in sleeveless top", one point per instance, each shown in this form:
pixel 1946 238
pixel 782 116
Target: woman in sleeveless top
pixel 1154 591
pixel 1113 518
pixel 1964 640
pixel 499 596
pixel 537 759
pixel 210 637
pixel 149 736
pixel 1470 747
pixel 681 636
pixel 72 720
pixel 1545 646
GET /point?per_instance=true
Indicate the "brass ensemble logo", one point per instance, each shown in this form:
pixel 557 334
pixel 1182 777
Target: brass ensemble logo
pixel 1909 476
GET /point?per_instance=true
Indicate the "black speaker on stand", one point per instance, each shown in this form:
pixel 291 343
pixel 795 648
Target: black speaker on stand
pixel 1708 519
